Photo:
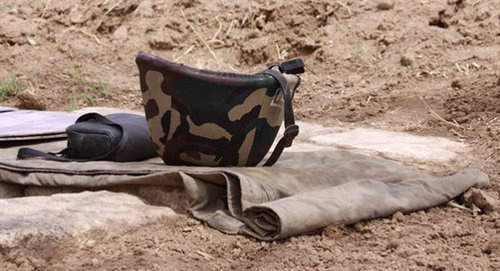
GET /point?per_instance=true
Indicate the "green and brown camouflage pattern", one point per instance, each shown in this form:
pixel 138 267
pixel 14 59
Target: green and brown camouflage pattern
pixel 205 118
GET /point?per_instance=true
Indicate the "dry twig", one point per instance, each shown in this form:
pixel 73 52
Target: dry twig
pixel 233 68
pixel 184 54
pixel 45 8
pixel 218 30
pixel 278 50
pixel 91 36
pixel 457 133
pixel 107 12
pixel 345 6
pixel 453 204
pixel 94 37
pixel 200 38
pixel 439 117
pixel 229 28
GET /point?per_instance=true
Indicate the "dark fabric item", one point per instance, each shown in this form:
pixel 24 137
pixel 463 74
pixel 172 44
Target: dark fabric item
pixel 205 118
pixel 118 137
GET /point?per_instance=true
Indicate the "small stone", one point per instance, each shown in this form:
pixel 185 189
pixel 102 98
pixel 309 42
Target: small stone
pixel 264 245
pixel 436 266
pixel 253 34
pixel 260 22
pixel 162 43
pixel 236 252
pixel 480 199
pixel 392 245
pixel 315 263
pixel 382 27
pixel 120 33
pixel 193 222
pixel 388 40
pixel 94 262
pixel 77 17
pixel 406 61
pixel 145 9
pixel 398 216
pixel 384 6
pixel 456 84
pixel 361 228
pixel 237 245
pixel 90 243
pixel 419 263
pixel 31 41
pixel 138 251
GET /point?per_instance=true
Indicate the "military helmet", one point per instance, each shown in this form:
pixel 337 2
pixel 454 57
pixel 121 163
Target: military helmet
pixel 206 118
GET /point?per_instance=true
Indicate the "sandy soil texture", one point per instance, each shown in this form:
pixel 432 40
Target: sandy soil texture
pixel 428 67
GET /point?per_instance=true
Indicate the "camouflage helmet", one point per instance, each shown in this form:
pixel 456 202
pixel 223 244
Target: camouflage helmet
pixel 206 118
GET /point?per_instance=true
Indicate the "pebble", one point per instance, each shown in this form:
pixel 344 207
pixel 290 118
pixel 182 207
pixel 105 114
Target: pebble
pixel 456 84
pixel 480 199
pixel 384 6
pixel 382 27
pixel 406 61
pixel 187 229
pixel 392 245
pixel 398 216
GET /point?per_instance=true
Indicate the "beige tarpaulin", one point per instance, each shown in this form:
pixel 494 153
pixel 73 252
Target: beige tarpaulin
pixel 310 187
pixel 32 124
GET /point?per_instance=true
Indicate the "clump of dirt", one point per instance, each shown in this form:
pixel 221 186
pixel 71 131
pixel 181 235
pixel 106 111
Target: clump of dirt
pixel 29 100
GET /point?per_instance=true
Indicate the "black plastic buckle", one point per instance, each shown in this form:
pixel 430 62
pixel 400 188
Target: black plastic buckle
pixel 290 133
pixel 294 66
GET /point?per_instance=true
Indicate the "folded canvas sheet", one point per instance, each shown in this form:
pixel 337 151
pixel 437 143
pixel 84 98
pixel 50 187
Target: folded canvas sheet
pixel 310 187
pixel 6 109
pixel 32 124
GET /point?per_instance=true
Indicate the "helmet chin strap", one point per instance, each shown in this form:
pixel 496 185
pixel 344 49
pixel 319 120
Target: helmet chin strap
pixel 291 129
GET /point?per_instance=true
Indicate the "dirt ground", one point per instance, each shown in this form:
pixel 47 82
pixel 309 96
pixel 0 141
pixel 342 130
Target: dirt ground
pixel 429 67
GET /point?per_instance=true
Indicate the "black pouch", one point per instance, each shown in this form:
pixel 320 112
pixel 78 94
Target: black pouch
pixel 117 137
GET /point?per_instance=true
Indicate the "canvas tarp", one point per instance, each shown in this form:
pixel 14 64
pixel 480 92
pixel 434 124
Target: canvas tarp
pixel 310 187
pixel 22 125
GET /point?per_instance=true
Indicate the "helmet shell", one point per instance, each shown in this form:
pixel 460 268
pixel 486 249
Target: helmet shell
pixel 205 118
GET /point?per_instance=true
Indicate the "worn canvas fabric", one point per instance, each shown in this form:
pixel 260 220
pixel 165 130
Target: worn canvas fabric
pixel 310 187
pixel 17 125
pixel 6 109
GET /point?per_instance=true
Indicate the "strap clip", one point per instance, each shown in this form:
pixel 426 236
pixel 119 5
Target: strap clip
pixel 294 66
pixel 290 133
